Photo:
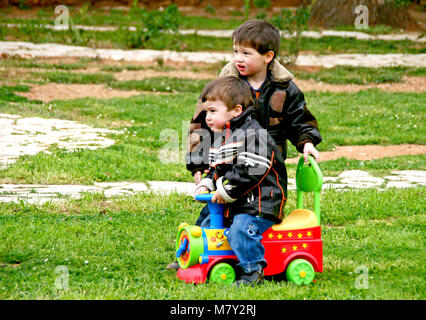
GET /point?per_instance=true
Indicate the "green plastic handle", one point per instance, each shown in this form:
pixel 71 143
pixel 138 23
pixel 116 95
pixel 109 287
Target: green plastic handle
pixel 309 179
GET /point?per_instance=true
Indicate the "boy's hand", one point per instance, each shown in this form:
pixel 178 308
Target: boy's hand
pixel 197 177
pixel 218 199
pixel 201 190
pixel 309 148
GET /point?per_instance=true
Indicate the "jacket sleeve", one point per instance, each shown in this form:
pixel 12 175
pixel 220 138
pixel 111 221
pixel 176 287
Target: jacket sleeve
pixel 206 182
pixel 198 142
pixel 301 126
pixel 252 165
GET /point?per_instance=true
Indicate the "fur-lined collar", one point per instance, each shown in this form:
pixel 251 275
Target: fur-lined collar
pixel 278 72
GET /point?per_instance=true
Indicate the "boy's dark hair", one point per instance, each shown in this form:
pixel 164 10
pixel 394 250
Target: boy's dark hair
pixel 230 90
pixel 259 35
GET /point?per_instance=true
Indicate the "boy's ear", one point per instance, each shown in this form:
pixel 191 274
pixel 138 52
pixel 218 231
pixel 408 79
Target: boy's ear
pixel 238 109
pixel 269 56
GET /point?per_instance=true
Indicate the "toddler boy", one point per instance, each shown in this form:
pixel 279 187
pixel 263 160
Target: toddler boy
pixel 246 171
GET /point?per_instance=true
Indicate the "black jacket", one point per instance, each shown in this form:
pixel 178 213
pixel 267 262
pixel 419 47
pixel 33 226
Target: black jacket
pixel 280 108
pixel 247 169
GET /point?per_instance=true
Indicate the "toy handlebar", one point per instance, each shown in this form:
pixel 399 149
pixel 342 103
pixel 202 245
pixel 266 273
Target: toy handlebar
pixel 216 209
pixel 204 197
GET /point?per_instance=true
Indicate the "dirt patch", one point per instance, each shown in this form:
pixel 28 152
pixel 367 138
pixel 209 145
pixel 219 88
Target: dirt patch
pixel 408 84
pixel 368 152
pixel 127 75
pixel 52 91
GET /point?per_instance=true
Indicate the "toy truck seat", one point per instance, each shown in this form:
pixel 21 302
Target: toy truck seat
pixel 297 219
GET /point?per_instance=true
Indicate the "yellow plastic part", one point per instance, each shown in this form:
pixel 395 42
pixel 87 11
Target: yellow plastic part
pixel 196 231
pixel 182 225
pixel 297 219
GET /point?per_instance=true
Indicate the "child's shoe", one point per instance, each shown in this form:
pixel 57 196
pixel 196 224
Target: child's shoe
pixel 250 279
pixel 173 266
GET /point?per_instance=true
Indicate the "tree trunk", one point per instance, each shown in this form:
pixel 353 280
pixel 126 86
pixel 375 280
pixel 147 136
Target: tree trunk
pixel 332 13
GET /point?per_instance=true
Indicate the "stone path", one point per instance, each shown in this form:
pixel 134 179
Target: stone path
pixel 347 180
pixel 227 33
pixel 49 50
pixel 28 136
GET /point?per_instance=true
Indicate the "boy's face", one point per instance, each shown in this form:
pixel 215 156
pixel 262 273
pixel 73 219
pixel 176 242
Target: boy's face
pixel 249 61
pixel 218 114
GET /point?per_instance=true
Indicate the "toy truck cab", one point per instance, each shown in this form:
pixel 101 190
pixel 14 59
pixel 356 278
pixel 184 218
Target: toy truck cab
pixel 294 246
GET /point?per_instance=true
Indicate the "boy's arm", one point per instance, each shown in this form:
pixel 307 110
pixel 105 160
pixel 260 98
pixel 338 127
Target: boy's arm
pixel 252 165
pixel 198 142
pixel 206 184
pixel 300 125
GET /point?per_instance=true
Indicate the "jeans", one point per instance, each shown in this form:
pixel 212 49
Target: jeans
pixel 244 238
pixel 204 217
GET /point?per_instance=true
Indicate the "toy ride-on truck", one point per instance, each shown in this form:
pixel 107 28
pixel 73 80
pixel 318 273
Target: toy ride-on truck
pixel 293 247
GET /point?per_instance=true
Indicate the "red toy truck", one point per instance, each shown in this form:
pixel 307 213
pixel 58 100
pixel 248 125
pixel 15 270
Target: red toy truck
pixel 294 246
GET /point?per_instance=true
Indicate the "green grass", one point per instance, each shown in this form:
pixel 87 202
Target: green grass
pixel 366 117
pixel 123 39
pixel 360 75
pixel 67 77
pixel 115 17
pixel 118 249
pixel 162 84
pixel 335 75
pixel 7 93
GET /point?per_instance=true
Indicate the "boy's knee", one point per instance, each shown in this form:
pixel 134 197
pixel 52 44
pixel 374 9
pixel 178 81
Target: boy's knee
pixel 242 228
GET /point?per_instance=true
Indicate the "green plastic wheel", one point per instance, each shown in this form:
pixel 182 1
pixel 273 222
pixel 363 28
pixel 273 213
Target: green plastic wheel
pixel 222 273
pixel 300 271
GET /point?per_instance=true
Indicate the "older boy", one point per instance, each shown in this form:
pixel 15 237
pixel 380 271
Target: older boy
pixel 279 104
pixel 246 170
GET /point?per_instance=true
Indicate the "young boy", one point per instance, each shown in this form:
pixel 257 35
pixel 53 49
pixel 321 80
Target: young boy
pixel 246 171
pixel 279 104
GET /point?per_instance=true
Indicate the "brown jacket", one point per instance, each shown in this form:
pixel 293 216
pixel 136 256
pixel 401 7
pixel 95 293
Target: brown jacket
pixel 280 108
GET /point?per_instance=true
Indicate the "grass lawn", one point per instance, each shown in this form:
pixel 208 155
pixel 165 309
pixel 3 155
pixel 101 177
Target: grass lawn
pixel 124 39
pixel 154 122
pixel 118 249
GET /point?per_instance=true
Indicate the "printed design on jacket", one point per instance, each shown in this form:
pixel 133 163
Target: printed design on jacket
pixel 252 159
pixel 225 154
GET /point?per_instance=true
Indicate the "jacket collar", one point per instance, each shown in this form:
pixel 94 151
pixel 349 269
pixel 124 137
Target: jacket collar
pixel 237 122
pixel 278 72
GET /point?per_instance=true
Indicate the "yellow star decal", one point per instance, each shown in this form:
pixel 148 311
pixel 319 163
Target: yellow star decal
pixel 280 236
pixel 304 245
pixel 299 235
pixel 289 234
pixel 271 235
pixel 309 233
pixel 283 250
pixel 294 248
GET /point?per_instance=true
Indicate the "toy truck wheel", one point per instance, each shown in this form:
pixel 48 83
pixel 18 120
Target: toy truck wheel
pixel 222 273
pixel 300 271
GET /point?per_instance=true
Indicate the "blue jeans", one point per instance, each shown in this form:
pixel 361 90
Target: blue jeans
pixel 204 217
pixel 244 238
